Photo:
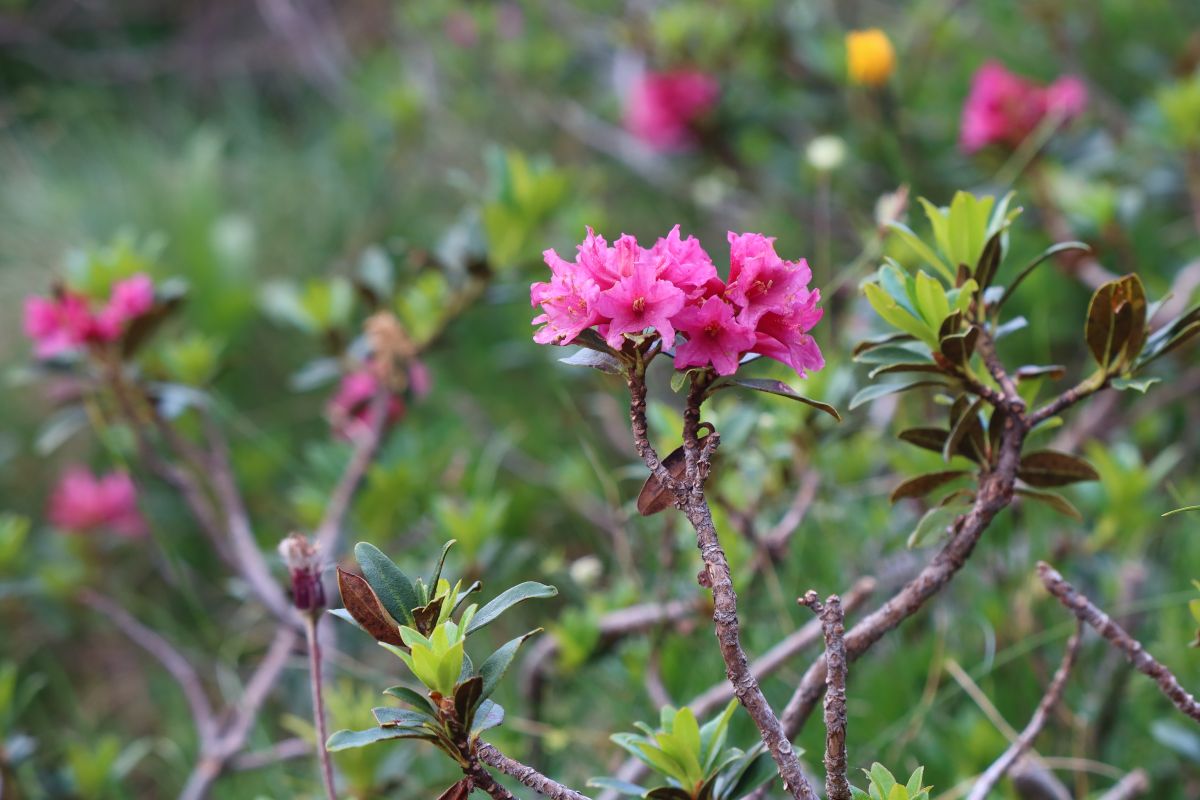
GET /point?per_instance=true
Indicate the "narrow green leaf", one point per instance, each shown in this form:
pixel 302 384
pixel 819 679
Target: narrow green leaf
pixel 496 665
pixel 1049 252
pixel 345 740
pixel 1055 501
pixel 783 390
pixel 389 717
pixel 507 599
pixel 875 391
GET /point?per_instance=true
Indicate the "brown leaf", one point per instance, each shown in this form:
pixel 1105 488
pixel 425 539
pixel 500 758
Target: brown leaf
pixel 1046 468
pixel 458 791
pixel 924 484
pixel 426 617
pixel 363 604
pixel 655 497
pixel 928 438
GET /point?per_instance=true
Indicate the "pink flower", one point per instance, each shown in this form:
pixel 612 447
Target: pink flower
pixel 765 308
pixel 639 301
pixel 759 280
pixel 784 337
pixel 684 263
pixel 349 410
pixel 82 502
pixel 1004 108
pixel 664 106
pixel 566 301
pixel 57 325
pixel 65 322
pixel 714 337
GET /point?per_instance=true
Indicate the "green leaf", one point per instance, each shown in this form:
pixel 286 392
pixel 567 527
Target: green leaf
pixel 1181 510
pixel 758 770
pixel 914 787
pixel 931 300
pixel 1048 468
pixel 389 717
pixel 878 390
pixel 896 316
pixel 934 522
pixel 1049 252
pixel 895 354
pixel 922 250
pixel 496 665
pixel 783 390
pixel 926 367
pixel 882 779
pixel 437 570
pixel 924 484
pixel 712 735
pixel 587 357
pixel 528 590
pixel 1137 384
pixel 1056 501
pixel 488 716
pixel 345 740
pixel 392 586
pixel 618 786
pixel 879 341
pixel 989 261
pixel 412 697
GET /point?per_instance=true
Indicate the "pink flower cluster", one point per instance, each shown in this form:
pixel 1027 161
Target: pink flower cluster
pixel 67 321
pixel 663 107
pixel 1004 108
pixel 83 502
pixel 765 307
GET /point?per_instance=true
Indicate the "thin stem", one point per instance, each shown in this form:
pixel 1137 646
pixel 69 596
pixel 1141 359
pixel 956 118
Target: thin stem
pixel 1119 638
pixel 318 702
pixel 526 775
pixel 1024 741
pixel 837 784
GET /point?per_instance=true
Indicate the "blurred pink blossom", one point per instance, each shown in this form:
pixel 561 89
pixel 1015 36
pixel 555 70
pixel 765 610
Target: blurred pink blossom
pixel 1003 108
pixel 65 321
pixel 83 502
pixel 663 107
pixel 349 409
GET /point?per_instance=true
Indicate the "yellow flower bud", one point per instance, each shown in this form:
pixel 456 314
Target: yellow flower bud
pixel 870 57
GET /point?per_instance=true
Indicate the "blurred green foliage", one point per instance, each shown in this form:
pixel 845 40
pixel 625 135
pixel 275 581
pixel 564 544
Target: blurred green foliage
pixel 293 201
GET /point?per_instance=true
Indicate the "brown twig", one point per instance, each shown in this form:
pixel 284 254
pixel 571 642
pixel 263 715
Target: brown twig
pixel 179 668
pixel 251 561
pixel 285 750
pixel 716 576
pixel 1049 700
pixel 1132 785
pixel 837 785
pixel 1117 636
pixel 526 775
